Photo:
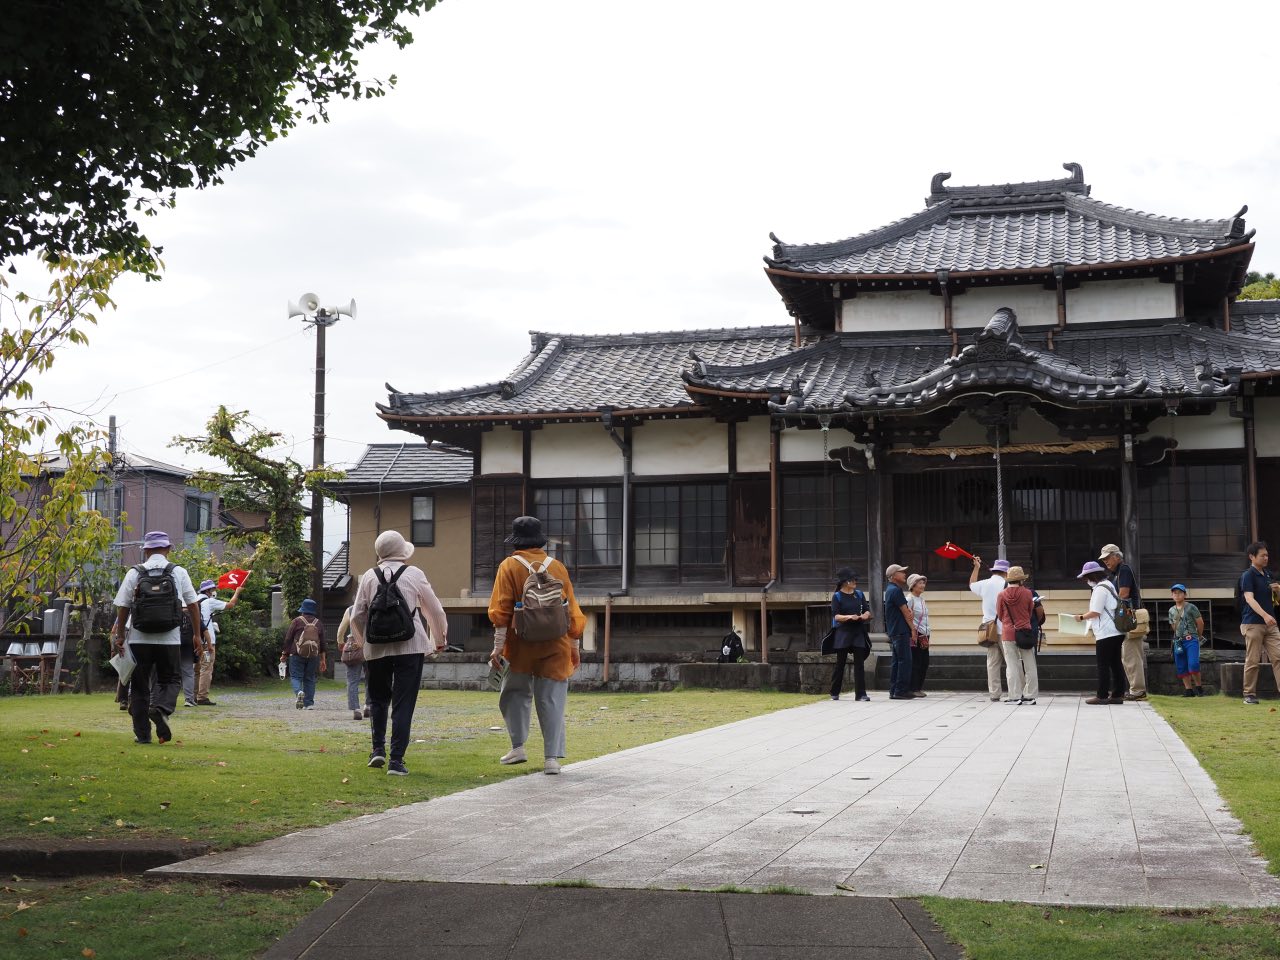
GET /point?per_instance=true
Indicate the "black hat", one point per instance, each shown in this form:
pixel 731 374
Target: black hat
pixel 526 532
pixel 845 574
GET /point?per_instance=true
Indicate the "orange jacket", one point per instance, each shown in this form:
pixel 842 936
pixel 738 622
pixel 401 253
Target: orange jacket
pixel 554 658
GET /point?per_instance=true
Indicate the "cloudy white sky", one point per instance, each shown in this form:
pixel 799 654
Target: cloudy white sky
pixel 599 167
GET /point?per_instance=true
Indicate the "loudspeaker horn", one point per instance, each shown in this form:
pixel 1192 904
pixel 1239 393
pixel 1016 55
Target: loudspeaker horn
pixel 304 306
pixel 349 310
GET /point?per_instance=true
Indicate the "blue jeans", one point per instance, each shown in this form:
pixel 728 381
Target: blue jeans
pixel 302 677
pixel 900 669
pixel 355 677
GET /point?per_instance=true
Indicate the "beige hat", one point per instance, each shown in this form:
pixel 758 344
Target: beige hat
pixel 1108 550
pixel 1015 575
pixel 893 568
pixel 390 545
pixel 916 578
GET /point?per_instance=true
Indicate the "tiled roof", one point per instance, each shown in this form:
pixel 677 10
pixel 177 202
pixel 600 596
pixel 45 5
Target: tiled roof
pixel 1256 318
pixel 404 466
pixel 570 373
pixel 1087 365
pixel 336 568
pixel 1015 226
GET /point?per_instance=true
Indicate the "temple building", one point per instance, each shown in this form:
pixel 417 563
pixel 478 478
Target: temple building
pixel 1018 369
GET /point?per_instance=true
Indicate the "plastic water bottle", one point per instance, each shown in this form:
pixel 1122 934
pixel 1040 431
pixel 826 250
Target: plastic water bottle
pixel 283 669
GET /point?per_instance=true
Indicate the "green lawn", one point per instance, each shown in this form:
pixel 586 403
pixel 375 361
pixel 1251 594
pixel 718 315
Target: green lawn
pixel 1239 747
pixel 69 766
pixel 128 919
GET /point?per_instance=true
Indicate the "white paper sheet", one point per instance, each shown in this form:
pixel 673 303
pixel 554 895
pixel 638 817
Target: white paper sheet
pixel 123 664
pixel 1070 626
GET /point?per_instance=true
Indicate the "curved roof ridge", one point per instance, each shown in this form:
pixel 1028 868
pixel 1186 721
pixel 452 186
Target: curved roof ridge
pixel 1248 307
pixel 785 252
pixel 803 354
pixel 1227 228
pixel 528 373
pixel 571 340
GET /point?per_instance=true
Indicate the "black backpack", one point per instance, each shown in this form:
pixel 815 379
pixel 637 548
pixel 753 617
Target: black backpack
pixel 390 618
pixel 156 607
pixel 731 649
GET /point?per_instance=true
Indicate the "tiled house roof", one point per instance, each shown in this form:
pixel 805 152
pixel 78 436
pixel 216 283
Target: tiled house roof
pixel 1014 226
pixel 566 374
pixel 405 466
pixel 336 569
pixel 1257 318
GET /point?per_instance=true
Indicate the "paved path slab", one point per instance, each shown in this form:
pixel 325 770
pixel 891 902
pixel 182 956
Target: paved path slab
pixel 467 921
pixel 1060 802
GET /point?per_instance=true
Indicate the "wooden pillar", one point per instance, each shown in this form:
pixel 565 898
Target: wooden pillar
pixel 1129 520
pixel 1179 276
pixel 526 460
pixel 1250 467
pixel 875 541
pixel 1226 314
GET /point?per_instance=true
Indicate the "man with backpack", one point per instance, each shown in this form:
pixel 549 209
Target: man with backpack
pixel 304 653
pixel 151 600
pixel 393 602
pixel 1132 654
pixel 536 628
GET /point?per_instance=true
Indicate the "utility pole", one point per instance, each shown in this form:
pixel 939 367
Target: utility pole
pixel 308 307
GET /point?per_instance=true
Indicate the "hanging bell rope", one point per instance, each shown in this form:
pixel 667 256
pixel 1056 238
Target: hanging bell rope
pixel 1000 496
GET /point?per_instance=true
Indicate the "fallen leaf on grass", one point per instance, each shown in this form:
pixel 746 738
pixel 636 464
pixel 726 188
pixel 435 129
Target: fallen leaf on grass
pixel 341 803
pixel 846 887
pixel 164 804
pixel 22 931
pixel 119 823
pixel 25 750
pixel 76 734
pixel 48 819
pixel 86 952
pixel 252 802
pixel 23 905
pixel 1037 866
pixel 221 763
pixel 346 779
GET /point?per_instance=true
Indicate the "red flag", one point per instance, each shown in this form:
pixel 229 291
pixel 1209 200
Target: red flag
pixel 952 552
pixel 232 579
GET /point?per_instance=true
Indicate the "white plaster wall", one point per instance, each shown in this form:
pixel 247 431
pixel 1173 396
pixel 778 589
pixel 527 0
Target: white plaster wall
pixel 574 450
pixel 1032 428
pixel 665 447
pixel 753 445
pixel 1266 426
pixel 805 446
pixel 1033 304
pixel 1104 301
pixel 892 310
pixel 1218 431
pixel 501 451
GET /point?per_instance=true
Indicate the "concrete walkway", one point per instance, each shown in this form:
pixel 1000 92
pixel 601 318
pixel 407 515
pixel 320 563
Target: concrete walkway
pixel 954 795
pixel 471 921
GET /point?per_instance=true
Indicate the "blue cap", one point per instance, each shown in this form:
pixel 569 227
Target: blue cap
pixel 1179 586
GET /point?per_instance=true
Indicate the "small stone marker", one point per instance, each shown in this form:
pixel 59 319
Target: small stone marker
pixel 495 728
pixel 804 810
pixel 893 754
pixel 861 776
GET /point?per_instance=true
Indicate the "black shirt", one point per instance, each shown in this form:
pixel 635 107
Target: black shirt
pixel 1123 577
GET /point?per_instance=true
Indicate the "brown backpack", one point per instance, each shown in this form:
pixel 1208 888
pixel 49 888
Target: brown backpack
pixel 308 644
pixel 542 613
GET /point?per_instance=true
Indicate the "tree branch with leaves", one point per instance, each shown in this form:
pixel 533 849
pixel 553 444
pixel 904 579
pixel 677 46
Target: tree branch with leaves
pixel 256 482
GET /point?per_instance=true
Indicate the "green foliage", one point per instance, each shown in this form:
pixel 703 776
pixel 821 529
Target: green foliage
pixel 248 647
pixel 1260 286
pixel 256 482
pixel 47 540
pixel 108 107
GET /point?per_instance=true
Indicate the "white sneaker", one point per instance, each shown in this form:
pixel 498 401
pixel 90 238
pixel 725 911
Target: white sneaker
pixel 514 755
pixel 551 765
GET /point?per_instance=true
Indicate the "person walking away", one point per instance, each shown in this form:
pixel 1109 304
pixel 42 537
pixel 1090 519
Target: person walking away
pixel 850 612
pixel 916 584
pixel 989 630
pixel 900 627
pixel 151 599
pixel 190 650
pixel 351 651
pixel 1106 638
pixel 1020 631
pixel 1132 650
pixel 539 662
pixel 394 650
pixel 210 606
pixel 1258 620
pixel 304 652
pixel 1188 627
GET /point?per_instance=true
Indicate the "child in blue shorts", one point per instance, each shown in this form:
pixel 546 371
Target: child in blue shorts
pixel 1188 628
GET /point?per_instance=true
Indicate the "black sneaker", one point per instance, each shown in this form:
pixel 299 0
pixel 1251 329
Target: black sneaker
pixel 1199 691
pixel 376 759
pixel 1188 692
pixel 1251 700
pixel 163 733
pixel 396 768
pixel 206 702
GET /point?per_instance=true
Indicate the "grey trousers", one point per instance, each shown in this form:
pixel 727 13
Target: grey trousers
pixel 519 692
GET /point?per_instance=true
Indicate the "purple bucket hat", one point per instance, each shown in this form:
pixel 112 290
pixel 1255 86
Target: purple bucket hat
pixel 1000 566
pixel 156 540
pixel 207 585
pixel 1093 566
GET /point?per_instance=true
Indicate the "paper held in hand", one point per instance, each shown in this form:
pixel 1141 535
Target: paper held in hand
pixel 1069 626
pixel 123 663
